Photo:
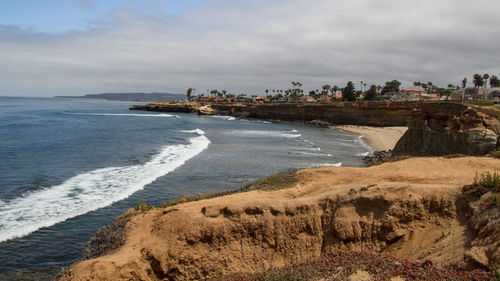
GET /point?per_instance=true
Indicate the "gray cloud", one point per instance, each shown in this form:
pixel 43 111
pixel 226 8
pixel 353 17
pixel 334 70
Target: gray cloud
pixel 250 46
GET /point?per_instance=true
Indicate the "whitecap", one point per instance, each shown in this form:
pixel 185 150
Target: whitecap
pixel 160 115
pixel 272 134
pixel 91 191
pixel 229 118
pixel 363 154
pixel 339 164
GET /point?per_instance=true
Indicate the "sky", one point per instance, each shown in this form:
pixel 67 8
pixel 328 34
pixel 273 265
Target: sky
pixel 77 47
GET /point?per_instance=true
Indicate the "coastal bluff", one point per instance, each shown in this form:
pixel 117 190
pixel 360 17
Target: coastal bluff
pixel 434 128
pixel 412 209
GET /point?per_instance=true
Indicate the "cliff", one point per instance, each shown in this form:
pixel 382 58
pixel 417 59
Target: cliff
pixel 366 113
pixel 412 209
pixel 434 128
pixel 448 128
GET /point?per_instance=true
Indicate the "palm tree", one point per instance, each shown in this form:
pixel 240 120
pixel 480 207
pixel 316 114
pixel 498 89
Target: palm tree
pixel 494 82
pixel 478 80
pixel 464 83
pixel 486 76
pixel 326 88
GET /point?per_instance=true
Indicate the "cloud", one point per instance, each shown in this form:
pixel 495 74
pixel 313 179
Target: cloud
pixel 250 46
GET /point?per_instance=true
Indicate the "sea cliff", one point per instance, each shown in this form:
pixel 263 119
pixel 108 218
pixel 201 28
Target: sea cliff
pixel 434 128
pixel 413 209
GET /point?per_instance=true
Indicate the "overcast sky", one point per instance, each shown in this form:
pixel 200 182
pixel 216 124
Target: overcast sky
pixel 66 47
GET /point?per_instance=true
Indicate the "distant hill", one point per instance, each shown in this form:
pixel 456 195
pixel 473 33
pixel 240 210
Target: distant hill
pixel 147 97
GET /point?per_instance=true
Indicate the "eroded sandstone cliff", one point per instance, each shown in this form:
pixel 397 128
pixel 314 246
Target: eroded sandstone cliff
pixel 411 209
pixel 448 128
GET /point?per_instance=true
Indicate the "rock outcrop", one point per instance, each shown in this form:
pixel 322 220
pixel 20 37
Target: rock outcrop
pixel 206 110
pixel 411 209
pixel 448 128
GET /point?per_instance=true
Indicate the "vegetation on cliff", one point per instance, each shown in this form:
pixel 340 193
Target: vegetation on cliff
pixel 353 265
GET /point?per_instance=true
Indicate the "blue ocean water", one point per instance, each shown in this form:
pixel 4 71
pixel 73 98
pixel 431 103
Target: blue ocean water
pixel 70 166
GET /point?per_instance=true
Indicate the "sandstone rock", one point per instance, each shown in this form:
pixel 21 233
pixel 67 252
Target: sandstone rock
pixel 206 110
pixel 449 128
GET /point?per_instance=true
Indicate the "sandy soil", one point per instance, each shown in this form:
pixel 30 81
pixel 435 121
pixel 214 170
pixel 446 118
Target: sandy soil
pixel 409 209
pixel 378 138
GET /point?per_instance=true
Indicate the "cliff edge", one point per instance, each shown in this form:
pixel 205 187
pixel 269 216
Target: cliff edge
pixel 412 209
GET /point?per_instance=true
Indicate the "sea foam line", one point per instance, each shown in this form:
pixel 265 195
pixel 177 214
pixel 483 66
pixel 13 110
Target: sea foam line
pixel 160 115
pixel 91 191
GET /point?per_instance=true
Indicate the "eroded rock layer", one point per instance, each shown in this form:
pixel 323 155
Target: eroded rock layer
pixel 411 209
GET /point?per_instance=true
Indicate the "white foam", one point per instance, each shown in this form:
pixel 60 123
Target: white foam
pixel 91 191
pixel 327 165
pixel 271 134
pixel 195 131
pixel 230 118
pixel 161 115
pixel 363 154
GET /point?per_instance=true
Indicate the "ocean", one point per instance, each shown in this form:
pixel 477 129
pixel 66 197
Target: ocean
pixel 70 166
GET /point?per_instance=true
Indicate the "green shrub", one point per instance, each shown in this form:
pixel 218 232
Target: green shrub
pixel 274 182
pixel 143 206
pixel 482 102
pixel 488 180
pixel 496 153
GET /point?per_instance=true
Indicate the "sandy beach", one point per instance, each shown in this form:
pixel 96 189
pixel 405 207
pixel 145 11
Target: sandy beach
pixel 378 138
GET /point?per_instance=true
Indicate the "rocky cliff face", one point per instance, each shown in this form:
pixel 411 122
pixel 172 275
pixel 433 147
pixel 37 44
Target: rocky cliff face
pixel 448 128
pixel 435 128
pixel 409 209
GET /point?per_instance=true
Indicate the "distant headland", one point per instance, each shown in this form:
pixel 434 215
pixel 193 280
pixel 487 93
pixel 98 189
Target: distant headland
pixel 147 97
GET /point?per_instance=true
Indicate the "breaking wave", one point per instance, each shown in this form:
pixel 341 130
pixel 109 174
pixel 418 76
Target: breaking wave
pixel 91 191
pixel 159 115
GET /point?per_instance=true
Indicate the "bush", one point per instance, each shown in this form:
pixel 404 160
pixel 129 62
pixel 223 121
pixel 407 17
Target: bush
pixel 488 180
pixel 143 206
pixel 482 102
pixel 496 153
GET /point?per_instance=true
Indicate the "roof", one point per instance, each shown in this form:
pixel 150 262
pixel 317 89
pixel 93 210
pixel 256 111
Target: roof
pixel 413 90
pixel 209 97
pixel 307 98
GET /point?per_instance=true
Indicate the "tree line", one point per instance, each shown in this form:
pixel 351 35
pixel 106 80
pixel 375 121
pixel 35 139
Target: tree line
pixel 350 93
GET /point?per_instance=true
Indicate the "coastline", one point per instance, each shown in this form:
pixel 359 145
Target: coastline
pixel 376 138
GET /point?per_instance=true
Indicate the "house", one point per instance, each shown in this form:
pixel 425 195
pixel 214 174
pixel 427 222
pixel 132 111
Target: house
pixel 411 94
pixel 493 94
pixel 325 99
pixel 259 99
pixel 243 98
pixel 208 98
pixel 307 99
pixel 412 91
pixel 339 96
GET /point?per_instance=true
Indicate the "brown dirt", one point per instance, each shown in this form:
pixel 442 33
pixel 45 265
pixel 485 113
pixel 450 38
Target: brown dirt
pixel 410 209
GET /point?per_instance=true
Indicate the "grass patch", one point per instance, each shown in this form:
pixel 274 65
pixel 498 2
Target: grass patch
pixel 489 110
pixel 495 154
pixel 487 182
pixel 482 102
pixel 272 182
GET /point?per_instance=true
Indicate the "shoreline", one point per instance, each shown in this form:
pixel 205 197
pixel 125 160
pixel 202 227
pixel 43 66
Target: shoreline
pixel 375 138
